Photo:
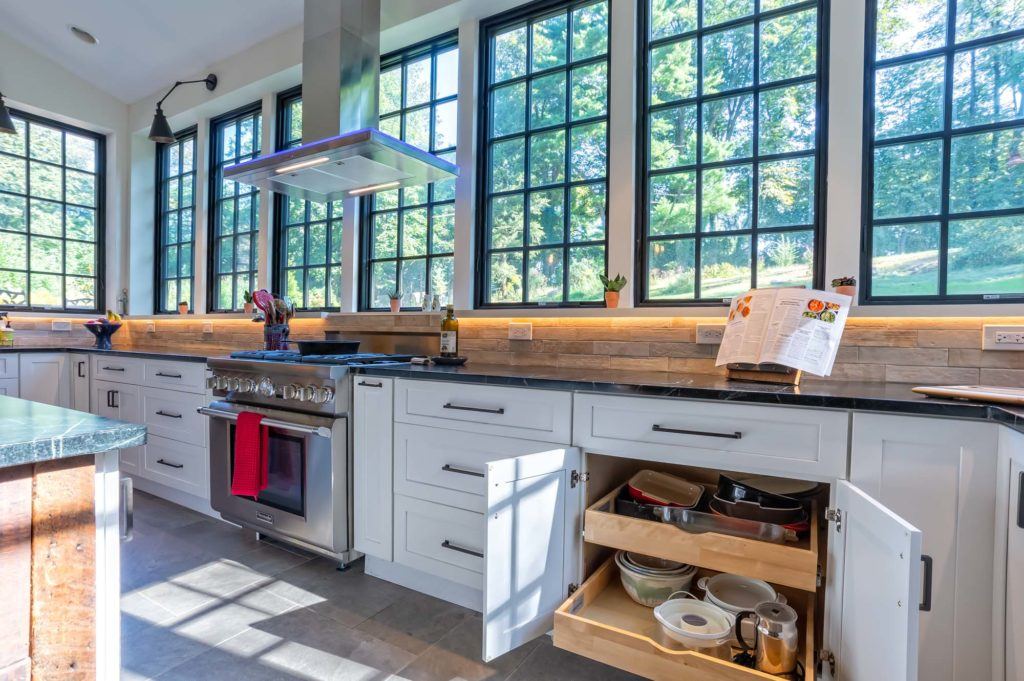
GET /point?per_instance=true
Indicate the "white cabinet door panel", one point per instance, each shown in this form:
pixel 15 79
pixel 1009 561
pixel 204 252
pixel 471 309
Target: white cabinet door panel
pixel 123 402
pixel 1014 636
pixel 9 387
pixel 44 378
pixel 9 365
pixel 372 424
pixel 79 366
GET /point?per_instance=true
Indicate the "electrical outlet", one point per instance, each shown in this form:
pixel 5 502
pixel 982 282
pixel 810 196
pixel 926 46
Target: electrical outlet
pixel 150 327
pixel 520 331
pixel 710 334
pixel 207 327
pixel 1002 338
pixel 60 325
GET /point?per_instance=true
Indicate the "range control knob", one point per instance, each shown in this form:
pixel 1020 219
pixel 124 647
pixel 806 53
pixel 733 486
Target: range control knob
pixel 234 384
pixel 292 392
pixel 246 385
pixel 266 387
pixel 322 395
pixel 309 393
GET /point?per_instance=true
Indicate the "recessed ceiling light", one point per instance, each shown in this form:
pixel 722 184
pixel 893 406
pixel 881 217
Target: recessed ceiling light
pixel 83 35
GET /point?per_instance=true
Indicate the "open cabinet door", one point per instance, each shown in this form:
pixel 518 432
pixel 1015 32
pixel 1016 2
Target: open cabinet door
pixel 531 555
pixel 881 583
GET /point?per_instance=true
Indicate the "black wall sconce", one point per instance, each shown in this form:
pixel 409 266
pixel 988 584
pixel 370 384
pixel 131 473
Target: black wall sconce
pixel 6 124
pixel 161 131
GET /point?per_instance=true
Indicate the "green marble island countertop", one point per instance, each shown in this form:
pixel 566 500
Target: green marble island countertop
pixel 32 432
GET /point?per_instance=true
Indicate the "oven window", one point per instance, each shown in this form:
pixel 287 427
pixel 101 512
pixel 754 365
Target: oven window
pixel 287 461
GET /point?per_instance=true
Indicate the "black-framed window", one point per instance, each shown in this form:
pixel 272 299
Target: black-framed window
pixel 175 221
pixel 234 210
pixel 944 152
pixel 308 256
pixel 409 234
pixel 51 216
pixel 732 120
pixel 544 163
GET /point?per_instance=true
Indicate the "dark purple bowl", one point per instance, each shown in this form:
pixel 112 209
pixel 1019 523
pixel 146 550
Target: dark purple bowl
pixel 103 332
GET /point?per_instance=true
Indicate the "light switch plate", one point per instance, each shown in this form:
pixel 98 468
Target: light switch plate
pixel 150 327
pixel 1002 338
pixel 207 327
pixel 60 325
pixel 710 334
pixel 520 331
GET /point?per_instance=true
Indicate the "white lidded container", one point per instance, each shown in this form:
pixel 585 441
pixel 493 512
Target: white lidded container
pixel 691 624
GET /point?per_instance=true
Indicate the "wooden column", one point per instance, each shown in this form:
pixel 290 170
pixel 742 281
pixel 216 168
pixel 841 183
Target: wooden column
pixel 15 571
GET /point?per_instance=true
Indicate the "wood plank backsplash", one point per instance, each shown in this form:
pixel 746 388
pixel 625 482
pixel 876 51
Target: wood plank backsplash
pixel 934 350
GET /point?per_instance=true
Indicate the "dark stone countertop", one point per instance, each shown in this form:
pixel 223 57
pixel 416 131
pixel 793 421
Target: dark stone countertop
pixel 856 395
pixel 32 432
pixel 169 355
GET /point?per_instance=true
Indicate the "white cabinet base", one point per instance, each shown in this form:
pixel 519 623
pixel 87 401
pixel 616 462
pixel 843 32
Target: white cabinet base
pixel 197 504
pixel 429 584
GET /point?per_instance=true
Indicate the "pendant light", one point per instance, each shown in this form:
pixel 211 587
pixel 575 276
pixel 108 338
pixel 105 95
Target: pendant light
pixel 160 131
pixel 6 124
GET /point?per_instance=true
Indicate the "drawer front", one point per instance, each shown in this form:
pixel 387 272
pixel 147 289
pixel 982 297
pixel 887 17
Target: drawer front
pixel 176 465
pixel 174 415
pixel 8 365
pixel 118 369
pixel 806 443
pixel 187 376
pixel 440 540
pixel 9 387
pixel 448 466
pixel 530 414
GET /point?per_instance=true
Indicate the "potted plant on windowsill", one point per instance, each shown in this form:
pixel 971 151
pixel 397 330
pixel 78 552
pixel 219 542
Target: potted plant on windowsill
pixel 612 287
pixel 183 307
pixel 395 298
pixel 247 302
pixel 845 285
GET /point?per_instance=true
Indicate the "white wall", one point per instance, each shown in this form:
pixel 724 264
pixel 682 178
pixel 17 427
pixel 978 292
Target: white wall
pixel 38 85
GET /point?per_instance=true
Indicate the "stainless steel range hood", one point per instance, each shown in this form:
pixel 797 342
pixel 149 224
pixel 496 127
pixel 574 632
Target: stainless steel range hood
pixel 341 54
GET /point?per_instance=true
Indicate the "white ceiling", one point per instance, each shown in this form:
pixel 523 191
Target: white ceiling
pixel 144 44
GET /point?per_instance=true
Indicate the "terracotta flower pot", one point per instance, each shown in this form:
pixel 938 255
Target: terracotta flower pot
pixel 247 308
pixel 182 308
pixel 847 291
pixel 611 299
pixel 396 304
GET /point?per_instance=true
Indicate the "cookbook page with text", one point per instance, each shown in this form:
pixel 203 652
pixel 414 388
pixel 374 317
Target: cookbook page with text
pixel 746 327
pixel 805 328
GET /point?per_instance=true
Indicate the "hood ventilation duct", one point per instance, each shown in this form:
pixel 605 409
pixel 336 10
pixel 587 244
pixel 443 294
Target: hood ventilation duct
pixel 340 81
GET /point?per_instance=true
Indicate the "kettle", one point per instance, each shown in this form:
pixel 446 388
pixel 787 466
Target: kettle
pixel 776 637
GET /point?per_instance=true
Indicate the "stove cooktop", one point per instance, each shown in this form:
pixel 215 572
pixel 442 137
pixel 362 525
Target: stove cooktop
pixel 353 359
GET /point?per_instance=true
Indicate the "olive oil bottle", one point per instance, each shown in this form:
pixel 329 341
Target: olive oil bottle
pixel 450 333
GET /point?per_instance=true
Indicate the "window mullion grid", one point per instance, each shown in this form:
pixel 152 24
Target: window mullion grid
pixel 755 175
pixel 567 161
pixel 947 144
pixel 29 231
pixel 698 229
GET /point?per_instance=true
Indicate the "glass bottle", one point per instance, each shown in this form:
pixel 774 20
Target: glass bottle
pixel 450 333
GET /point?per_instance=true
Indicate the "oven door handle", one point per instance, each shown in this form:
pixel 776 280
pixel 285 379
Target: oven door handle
pixel 270 423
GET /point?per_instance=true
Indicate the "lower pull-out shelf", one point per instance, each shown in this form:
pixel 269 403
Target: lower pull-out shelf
pixel 601 622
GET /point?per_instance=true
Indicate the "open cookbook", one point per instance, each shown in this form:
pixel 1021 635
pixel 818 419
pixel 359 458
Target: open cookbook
pixel 793 327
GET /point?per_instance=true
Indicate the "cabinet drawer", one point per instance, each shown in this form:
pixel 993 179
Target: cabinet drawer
pixel 174 415
pixel 519 412
pixel 176 464
pixel 8 365
pixel 601 622
pixel 188 376
pixel 440 540
pixel 119 369
pixel 448 466
pixel 9 387
pixel 807 443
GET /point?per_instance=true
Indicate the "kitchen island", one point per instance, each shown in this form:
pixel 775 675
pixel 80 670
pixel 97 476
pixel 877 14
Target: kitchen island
pixel 59 534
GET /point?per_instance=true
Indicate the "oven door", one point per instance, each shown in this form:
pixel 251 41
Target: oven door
pixel 306 495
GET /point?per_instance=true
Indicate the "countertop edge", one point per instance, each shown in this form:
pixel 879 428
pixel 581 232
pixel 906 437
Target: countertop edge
pixel 144 354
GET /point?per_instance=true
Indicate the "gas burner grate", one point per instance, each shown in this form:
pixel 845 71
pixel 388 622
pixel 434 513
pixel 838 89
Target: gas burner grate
pixel 357 359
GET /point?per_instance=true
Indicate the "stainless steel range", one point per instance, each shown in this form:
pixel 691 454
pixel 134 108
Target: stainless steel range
pixel 305 404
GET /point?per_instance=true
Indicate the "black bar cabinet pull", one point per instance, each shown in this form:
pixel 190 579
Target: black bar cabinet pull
pixel 163 375
pixel 110 399
pixel 81 372
pixel 926 604
pixel 371 385
pixel 115 393
pixel 168 414
pixel 703 433
pixel 462 471
pixel 454 547
pixel 169 464
pixel 483 410
pixel 113 368
pixel 1020 502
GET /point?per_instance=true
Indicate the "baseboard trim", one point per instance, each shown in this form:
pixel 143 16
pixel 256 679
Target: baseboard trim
pixel 191 501
pixel 432 585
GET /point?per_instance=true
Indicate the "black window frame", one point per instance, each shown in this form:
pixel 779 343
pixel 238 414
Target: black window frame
pixel 158 253
pixel 481 257
pixel 100 222
pixel 279 235
pixel 213 170
pixel 432 46
pixel 946 135
pixel 643 175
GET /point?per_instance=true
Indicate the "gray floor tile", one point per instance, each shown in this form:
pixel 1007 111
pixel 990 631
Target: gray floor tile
pixel 156 512
pixel 458 656
pixel 547 663
pixel 216 579
pixel 415 621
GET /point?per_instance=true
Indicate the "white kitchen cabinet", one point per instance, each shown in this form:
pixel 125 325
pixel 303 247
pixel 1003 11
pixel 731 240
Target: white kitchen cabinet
pixel 9 387
pixel 372 428
pixel 79 366
pixel 1012 522
pixel 940 474
pixel 9 365
pixel 45 378
pixel 123 402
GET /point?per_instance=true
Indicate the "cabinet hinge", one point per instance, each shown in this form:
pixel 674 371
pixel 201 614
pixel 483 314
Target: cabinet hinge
pixel 835 515
pixel 820 578
pixel 826 656
pixel 576 478
pixel 572 589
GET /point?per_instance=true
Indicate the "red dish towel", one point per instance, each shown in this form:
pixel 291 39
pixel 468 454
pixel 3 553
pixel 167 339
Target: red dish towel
pixel 252 442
